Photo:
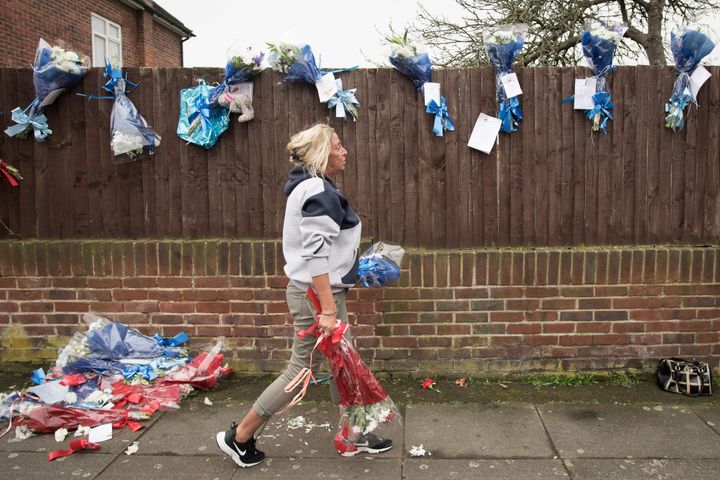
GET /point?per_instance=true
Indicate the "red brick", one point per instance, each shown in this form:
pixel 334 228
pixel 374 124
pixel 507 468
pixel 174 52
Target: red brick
pixel 541 316
pixel 575 340
pixel 541 340
pixel 610 339
pixel 506 292
pixel 594 303
pixel 279 307
pixel 524 328
pixel 399 342
pixel 140 307
pixel 140 282
pixel 557 304
pixel 176 307
pixel 558 327
pixel 525 304
pixel 71 307
pixel 593 327
pixel 213 331
pixel 106 307
pixel 120 295
pixel 625 327
pixel 174 282
pixel 541 292
pixel 246 307
pixel 454 329
pixel 507 316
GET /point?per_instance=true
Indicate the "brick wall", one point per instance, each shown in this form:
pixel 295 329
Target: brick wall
pixel 23 22
pixel 471 311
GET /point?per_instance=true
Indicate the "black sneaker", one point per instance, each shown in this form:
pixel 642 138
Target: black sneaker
pixel 369 443
pixel 244 454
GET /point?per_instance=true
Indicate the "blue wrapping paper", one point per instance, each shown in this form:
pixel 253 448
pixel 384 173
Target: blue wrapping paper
pixel 442 119
pixel 201 123
pixel 501 56
pixel 117 341
pixel 688 49
pixel 417 68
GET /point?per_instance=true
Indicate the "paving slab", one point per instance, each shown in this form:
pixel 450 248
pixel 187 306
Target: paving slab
pixel 429 469
pixel 622 431
pixel 45 442
pixel 477 431
pixel 152 467
pixel 357 468
pixel 710 415
pixel 646 469
pixel 81 465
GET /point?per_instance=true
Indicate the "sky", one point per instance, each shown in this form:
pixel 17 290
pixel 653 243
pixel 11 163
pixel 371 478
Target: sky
pixel 342 33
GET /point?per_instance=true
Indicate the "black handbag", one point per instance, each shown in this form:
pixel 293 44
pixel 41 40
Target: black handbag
pixel 690 378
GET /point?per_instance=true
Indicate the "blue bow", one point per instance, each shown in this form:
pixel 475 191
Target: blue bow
pixel 178 339
pixel 37 121
pixel 201 115
pixel 345 101
pixel 675 110
pixel 600 113
pixel 442 117
pixel 510 112
pixel 147 371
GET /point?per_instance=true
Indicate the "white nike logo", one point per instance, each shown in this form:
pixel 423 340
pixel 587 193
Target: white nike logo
pixel 241 452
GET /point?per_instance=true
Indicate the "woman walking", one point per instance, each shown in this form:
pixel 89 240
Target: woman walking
pixel 321 237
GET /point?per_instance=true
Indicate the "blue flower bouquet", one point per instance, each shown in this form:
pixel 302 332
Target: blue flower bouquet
pixel 412 61
pixel 55 70
pixel 688 48
pixel 200 122
pixel 599 41
pixel 243 65
pixel 502 45
pixel 380 264
pixel 299 65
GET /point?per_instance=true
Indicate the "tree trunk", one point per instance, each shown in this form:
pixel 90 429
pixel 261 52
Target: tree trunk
pixel 654 46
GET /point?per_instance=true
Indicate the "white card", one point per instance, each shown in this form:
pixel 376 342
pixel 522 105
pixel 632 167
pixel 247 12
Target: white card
pixel 246 88
pixel 50 392
pixel 584 91
pixel 51 97
pixel 431 90
pixel 326 87
pixel 698 77
pixel 100 433
pixel 511 84
pixel 339 107
pixel 485 133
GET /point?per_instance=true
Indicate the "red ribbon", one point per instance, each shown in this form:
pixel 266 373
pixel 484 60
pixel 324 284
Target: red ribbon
pixel 75 446
pixel 9 177
pixel 73 380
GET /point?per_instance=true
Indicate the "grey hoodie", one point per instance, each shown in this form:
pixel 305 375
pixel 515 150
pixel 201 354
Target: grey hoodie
pixel 321 232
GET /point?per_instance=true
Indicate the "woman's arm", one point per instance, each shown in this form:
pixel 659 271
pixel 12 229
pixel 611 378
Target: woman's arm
pixel 328 318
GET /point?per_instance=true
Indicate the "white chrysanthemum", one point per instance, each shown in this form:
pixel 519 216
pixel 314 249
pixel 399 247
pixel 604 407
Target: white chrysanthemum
pixel 127 143
pixel 502 37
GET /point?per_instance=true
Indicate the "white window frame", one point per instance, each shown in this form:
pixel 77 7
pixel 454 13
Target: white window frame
pixel 106 38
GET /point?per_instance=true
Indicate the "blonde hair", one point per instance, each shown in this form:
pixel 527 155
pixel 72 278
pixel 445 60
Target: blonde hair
pixel 311 148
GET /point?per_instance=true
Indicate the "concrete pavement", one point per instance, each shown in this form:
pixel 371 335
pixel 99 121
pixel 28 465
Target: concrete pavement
pixel 592 435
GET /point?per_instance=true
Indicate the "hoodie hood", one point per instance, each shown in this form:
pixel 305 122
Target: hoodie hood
pixel 296 176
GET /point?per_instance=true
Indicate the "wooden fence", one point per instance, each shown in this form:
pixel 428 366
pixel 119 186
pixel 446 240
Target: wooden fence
pixel 552 183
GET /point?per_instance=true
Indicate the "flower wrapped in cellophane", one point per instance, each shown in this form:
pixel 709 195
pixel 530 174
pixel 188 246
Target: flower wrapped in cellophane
pixel 11 174
pixel 299 65
pixel 364 404
pixel 502 45
pixel 599 41
pixel 200 122
pixel 235 91
pixel 688 47
pixel 131 137
pixel 380 264
pixel 411 59
pixel 55 70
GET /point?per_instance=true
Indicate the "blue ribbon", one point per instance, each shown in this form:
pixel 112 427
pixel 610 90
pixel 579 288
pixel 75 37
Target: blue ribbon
pixel 38 376
pixel 600 114
pixel 114 75
pixel 178 339
pixel 37 121
pixel 510 112
pixel 147 371
pixel 345 99
pixel 442 117
pixel 202 112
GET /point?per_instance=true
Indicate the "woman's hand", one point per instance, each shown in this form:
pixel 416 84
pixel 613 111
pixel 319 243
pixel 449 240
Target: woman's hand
pixel 327 324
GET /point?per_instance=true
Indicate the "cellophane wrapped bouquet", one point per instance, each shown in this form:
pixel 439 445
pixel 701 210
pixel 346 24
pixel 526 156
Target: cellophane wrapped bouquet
pixel 365 405
pixel 55 70
pixel 235 91
pixel 412 60
pixel 200 121
pixel 599 41
pixel 380 264
pixel 502 45
pixel 689 46
pixel 131 137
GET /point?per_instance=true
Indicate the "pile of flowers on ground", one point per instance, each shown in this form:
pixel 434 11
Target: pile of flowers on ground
pixel 111 374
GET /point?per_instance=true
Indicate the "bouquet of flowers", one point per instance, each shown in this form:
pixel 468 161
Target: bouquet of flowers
pixel 414 62
pixel 200 122
pixel 364 403
pixel 55 70
pixel 282 56
pixel 380 264
pixel 11 174
pixel 243 65
pixel 298 64
pixel 599 41
pixel 131 135
pixel 502 45
pixel 688 48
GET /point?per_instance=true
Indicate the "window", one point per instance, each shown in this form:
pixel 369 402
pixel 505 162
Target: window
pixel 106 42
